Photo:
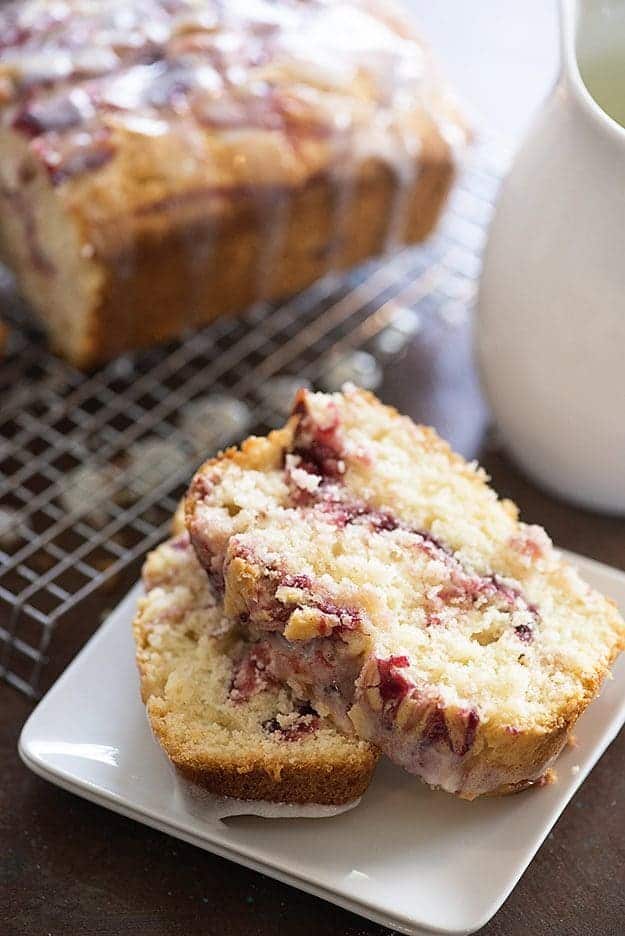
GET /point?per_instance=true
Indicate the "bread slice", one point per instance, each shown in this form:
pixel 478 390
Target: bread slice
pixel 400 595
pixel 216 710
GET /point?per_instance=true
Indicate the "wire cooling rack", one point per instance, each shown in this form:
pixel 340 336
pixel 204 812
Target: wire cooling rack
pixel 92 467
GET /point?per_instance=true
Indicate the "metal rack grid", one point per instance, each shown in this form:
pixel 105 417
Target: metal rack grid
pixel 92 467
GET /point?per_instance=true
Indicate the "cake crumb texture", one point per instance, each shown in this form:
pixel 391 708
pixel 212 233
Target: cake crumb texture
pixel 401 595
pixel 225 723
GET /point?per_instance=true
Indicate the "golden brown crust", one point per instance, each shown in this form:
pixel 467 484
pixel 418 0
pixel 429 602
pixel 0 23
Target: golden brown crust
pixel 150 288
pixel 333 786
pixel 162 264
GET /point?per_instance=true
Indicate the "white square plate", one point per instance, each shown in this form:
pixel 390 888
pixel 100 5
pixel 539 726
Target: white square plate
pixel 406 857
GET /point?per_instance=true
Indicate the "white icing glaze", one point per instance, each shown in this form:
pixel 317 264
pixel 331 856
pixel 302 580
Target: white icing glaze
pixel 261 96
pixel 326 67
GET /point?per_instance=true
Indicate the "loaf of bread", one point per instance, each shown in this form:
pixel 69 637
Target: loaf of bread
pixel 401 596
pixel 164 162
pixel 226 724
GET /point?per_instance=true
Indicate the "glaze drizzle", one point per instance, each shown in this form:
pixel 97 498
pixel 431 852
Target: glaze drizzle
pixel 72 72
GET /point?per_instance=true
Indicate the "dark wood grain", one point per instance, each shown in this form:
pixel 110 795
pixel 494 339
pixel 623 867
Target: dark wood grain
pixel 70 868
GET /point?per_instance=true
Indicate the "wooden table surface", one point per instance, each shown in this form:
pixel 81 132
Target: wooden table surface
pixel 69 868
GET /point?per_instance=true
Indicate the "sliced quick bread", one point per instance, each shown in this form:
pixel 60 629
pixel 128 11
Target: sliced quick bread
pixel 400 595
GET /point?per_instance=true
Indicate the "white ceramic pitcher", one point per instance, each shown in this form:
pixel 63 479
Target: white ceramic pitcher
pixel 551 319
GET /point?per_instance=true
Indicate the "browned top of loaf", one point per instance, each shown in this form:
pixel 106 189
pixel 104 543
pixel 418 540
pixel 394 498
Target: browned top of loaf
pixel 149 106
